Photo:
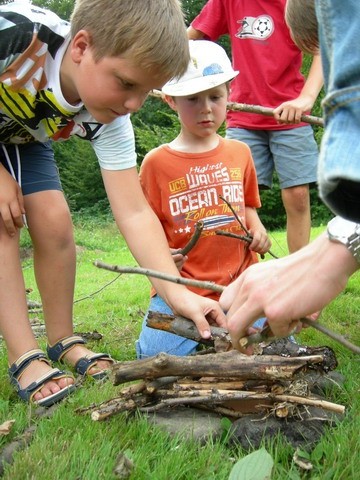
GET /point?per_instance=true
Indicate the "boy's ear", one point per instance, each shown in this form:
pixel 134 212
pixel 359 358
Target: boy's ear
pixel 79 44
pixel 170 101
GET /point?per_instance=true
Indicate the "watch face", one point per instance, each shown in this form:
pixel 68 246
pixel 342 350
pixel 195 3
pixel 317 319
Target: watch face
pixel 341 229
pixel 347 233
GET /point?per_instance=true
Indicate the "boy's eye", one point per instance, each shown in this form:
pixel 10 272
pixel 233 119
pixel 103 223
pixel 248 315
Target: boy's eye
pixel 125 84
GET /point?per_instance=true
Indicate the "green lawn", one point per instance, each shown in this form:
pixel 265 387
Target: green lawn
pixel 68 445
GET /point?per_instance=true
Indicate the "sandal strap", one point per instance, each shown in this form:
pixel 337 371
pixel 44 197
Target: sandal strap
pixel 60 348
pixel 18 367
pixel 85 363
pixel 28 392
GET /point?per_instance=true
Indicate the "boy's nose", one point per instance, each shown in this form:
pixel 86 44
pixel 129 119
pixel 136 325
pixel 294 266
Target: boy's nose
pixel 135 102
pixel 206 106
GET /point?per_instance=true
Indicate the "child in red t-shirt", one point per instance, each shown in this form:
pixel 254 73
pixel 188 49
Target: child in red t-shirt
pixel 270 76
pixel 187 180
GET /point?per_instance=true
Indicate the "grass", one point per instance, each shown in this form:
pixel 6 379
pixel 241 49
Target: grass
pixel 72 446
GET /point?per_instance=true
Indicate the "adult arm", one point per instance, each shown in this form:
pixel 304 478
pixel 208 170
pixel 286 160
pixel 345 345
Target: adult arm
pixel 291 111
pixel 287 289
pixel 146 239
pixel 194 34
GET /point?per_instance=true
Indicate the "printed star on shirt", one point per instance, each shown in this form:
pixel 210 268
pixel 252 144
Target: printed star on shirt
pixel 187 229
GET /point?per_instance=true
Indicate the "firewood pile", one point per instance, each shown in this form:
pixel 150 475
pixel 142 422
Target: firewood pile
pixel 278 380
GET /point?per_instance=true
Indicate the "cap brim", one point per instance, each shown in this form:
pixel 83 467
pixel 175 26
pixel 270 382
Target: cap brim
pixel 197 85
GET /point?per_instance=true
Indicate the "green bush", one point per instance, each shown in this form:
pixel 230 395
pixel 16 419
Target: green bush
pixel 80 175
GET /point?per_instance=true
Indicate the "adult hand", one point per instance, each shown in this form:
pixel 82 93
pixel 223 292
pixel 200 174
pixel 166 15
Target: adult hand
pixel 287 289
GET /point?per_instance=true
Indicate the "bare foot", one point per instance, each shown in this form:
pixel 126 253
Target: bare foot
pixel 79 351
pixel 34 371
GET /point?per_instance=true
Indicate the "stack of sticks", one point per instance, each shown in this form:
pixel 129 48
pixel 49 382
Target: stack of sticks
pixel 220 379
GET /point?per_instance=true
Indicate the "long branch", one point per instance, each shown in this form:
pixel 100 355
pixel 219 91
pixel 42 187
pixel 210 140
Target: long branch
pixel 267 111
pixel 220 396
pixel 219 288
pixel 118 405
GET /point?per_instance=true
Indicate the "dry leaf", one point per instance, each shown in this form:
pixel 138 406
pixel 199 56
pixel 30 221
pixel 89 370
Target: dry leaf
pixel 301 461
pixel 5 428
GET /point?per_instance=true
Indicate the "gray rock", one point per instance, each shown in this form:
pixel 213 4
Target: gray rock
pixel 303 430
pixel 190 423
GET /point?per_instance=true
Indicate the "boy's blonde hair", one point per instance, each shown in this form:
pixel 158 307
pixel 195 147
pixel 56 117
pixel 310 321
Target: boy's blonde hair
pixel 151 33
pixel 300 16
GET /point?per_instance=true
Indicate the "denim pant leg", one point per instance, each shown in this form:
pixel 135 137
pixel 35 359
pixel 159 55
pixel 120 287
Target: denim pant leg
pixel 152 341
pixel 339 164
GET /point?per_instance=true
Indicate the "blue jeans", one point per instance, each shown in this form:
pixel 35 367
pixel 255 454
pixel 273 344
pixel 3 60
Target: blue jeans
pixel 152 341
pixel 339 163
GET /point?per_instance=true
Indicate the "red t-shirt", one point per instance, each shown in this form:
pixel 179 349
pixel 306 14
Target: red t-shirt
pixel 183 188
pixel 262 51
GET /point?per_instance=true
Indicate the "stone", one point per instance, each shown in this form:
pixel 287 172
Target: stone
pixel 190 423
pixel 301 430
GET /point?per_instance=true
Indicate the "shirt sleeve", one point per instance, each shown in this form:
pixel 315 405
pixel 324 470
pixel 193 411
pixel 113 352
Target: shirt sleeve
pixel 151 181
pixel 115 147
pixel 212 20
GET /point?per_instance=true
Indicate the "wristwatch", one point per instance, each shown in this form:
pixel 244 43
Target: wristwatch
pixel 345 232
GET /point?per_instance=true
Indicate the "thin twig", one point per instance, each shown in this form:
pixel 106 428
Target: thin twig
pixel 335 336
pixel 97 291
pixel 245 238
pixel 236 216
pixel 193 240
pixel 163 276
pixel 241 237
pixel 249 237
pixel 265 335
pixel 33 309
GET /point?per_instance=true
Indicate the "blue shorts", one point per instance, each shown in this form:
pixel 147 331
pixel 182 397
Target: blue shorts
pixel 292 153
pixel 33 166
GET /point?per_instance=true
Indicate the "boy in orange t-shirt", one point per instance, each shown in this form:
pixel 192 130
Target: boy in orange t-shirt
pixel 186 181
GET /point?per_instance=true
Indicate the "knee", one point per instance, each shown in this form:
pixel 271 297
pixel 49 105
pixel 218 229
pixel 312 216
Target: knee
pixel 54 230
pixel 296 199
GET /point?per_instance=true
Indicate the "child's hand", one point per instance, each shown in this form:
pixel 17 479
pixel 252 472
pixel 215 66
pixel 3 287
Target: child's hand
pixel 178 258
pixel 261 242
pixel 11 202
pixel 202 311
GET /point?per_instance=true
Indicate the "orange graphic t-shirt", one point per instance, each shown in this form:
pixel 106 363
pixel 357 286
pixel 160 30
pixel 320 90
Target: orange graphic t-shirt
pixel 184 189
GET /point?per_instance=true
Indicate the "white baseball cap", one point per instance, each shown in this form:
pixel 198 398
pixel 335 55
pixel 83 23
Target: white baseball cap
pixel 209 67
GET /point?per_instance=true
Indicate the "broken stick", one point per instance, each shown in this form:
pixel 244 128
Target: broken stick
pixel 228 364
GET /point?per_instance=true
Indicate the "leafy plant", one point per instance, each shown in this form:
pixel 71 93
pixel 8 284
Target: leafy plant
pixel 255 466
